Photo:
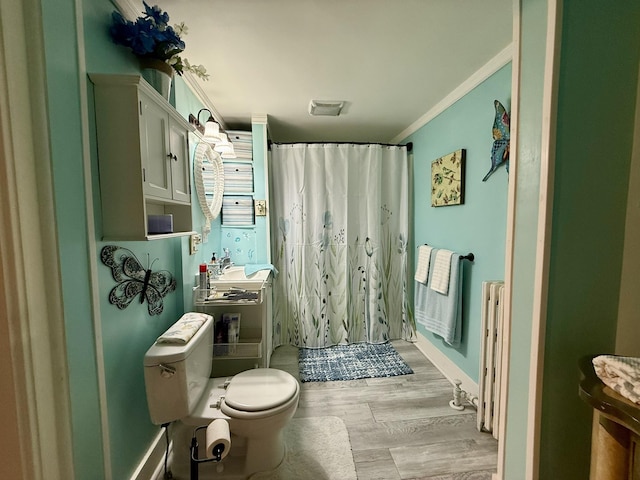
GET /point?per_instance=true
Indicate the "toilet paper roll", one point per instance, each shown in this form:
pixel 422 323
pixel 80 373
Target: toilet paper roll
pixel 218 434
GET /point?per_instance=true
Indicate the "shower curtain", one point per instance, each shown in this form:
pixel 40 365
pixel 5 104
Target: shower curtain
pixel 340 228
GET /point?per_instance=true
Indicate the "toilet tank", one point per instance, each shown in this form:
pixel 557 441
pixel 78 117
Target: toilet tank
pixel 176 375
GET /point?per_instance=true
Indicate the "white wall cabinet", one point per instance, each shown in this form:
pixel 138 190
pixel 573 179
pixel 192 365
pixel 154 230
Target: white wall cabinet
pixel 143 158
pixel 165 153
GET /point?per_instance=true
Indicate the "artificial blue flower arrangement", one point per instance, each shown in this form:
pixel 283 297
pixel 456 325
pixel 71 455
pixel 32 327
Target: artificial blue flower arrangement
pixel 152 38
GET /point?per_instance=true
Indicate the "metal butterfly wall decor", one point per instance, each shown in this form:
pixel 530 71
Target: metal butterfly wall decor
pixel 501 136
pixel 133 280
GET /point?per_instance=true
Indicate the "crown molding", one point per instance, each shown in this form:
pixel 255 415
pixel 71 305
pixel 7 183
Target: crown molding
pixel 128 9
pixel 259 118
pixel 194 84
pixel 488 69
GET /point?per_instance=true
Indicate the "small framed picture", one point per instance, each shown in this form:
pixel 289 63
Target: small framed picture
pixel 447 179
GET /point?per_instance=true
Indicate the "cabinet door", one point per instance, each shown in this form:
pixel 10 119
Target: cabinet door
pixel 180 172
pixel 154 138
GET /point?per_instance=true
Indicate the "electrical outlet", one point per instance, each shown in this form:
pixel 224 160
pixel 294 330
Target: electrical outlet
pixel 194 241
pixel 261 208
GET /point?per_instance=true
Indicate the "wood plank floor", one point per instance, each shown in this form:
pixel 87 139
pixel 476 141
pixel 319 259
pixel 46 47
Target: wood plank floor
pixel 400 427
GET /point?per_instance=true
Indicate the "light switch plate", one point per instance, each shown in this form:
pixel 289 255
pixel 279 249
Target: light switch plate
pixel 261 208
pixel 194 241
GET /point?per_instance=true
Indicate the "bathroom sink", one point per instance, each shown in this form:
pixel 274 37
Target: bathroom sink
pixel 235 277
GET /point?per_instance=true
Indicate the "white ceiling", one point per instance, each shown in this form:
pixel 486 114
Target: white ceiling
pixel 390 60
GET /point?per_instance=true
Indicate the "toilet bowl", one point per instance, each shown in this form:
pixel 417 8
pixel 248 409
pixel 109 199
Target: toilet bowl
pixel 256 404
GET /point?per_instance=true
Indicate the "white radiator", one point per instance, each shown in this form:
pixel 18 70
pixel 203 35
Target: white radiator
pixel 490 356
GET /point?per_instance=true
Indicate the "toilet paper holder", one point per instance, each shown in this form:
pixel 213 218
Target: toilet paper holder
pixel 217 452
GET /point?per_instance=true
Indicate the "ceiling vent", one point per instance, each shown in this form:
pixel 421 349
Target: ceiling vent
pixel 325 107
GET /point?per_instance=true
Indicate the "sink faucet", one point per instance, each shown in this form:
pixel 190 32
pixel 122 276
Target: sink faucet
pixel 225 262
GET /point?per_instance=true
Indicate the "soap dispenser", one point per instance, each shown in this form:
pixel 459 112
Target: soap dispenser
pixel 214 268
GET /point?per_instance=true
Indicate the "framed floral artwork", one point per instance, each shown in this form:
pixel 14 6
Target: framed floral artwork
pixel 447 179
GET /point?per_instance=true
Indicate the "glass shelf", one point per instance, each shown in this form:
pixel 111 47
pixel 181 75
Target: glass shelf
pixel 246 348
pixel 211 298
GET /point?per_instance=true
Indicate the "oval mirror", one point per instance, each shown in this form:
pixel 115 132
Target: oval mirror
pixel 208 173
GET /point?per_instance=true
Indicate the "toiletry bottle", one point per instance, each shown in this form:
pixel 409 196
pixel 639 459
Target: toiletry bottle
pixel 204 286
pixel 211 268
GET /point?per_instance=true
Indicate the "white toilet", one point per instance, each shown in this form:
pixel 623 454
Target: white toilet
pixel 257 404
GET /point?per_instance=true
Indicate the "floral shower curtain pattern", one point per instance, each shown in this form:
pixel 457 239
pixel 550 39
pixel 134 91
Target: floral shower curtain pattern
pixel 340 230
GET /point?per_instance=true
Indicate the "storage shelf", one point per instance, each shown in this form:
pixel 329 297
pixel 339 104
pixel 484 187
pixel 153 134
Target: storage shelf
pixel 247 348
pixel 161 236
pixel 217 298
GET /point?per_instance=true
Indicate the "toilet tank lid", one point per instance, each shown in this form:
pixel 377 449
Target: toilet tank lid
pixel 170 353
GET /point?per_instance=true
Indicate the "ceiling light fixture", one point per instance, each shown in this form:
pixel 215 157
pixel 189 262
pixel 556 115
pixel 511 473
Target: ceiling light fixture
pixel 211 129
pixel 223 146
pixel 325 107
pixel 230 154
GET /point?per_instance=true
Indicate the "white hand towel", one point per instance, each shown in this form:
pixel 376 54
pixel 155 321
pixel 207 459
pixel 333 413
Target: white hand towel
pixel 422 269
pixel 622 374
pixel 181 332
pixel 441 269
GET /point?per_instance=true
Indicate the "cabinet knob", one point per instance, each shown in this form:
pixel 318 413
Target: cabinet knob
pixel 172 156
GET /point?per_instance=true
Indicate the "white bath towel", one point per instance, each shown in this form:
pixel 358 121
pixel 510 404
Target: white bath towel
pixel 438 313
pixel 622 374
pixel 185 328
pixel 424 258
pixel 441 269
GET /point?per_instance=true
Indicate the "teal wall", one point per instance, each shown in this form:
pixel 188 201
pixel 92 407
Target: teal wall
pixel 64 105
pixel 125 335
pixel 478 226
pixel 598 81
pixel 597 85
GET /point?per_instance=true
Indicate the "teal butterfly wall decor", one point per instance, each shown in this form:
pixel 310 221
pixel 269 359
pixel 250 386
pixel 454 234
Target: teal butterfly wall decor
pixel 501 137
pixel 133 280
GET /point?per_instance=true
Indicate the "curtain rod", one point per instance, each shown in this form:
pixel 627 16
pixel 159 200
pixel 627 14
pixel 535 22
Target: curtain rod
pixel 409 145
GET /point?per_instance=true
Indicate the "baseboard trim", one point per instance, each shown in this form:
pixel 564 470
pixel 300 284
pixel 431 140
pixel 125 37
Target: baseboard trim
pixel 151 467
pixel 445 365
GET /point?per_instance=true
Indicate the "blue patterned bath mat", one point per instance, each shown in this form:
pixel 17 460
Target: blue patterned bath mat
pixel 350 362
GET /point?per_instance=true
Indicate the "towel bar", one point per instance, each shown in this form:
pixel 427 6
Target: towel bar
pixel 469 256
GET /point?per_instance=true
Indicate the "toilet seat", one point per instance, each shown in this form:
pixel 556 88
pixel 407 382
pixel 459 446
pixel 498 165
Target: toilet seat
pixel 260 389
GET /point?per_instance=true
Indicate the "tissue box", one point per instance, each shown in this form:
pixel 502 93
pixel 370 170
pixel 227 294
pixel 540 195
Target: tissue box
pixel 160 223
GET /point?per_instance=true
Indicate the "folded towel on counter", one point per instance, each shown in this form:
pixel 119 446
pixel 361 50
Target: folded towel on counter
pixel 424 258
pixel 181 332
pixel 438 313
pixel 621 374
pixel 441 269
pixel 256 267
